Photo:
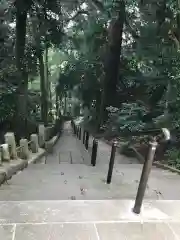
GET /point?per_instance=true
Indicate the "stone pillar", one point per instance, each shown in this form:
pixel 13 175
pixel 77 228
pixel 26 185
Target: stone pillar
pixel 5 152
pixel 10 140
pixel 41 135
pixel 0 155
pixel 49 146
pixel 24 150
pixel 47 133
pixel 34 143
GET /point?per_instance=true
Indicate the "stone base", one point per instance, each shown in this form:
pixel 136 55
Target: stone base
pixel 50 144
pixel 13 167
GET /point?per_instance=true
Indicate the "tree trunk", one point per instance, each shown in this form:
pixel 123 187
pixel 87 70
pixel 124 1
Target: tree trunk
pixel 46 73
pixel 22 113
pixel 44 102
pixel 57 106
pixel 65 104
pixel 98 103
pixel 48 84
pixel 112 62
pixel 22 89
pixel 60 103
pixel 101 111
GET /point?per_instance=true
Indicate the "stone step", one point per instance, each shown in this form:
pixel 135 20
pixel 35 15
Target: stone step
pixel 87 211
pixel 82 182
pixel 96 220
pixel 68 156
pixel 130 169
pixel 66 181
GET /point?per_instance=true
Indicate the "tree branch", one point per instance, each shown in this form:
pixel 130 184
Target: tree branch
pixel 99 6
pixel 76 14
pixel 131 30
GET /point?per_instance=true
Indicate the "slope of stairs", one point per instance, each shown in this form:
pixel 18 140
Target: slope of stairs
pixel 64 197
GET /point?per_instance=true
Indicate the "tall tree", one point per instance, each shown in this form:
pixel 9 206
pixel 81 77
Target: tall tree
pixel 21 18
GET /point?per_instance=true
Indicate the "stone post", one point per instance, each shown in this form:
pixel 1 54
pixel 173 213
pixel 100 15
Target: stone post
pixel 10 140
pixel 84 136
pixel 144 176
pixel 41 135
pixel 94 152
pixel 79 133
pixel 24 150
pixel 34 143
pixel 111 162
pixel 5 152
pixel 47 134
pixel 0 155
pixel 49 146
pixel 87 140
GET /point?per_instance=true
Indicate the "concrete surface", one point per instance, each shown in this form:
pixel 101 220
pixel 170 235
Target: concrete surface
pixel 10 168
pixel 87 211
pixel 62 181
pixel 35 157
pixel 102 231
pixel 67 174
pixel 110 219
pixel 63 197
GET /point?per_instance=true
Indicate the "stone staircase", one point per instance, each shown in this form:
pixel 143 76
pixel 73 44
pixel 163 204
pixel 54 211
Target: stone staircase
pixel 67 174
pixel 63 197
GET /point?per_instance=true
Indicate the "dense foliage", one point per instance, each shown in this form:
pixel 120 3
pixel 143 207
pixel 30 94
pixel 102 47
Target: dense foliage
pixel 120 59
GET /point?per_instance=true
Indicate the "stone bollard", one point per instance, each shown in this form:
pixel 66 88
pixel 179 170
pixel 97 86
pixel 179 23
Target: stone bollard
pixel 0 156
pixel 144 176
pixel 41 135
pixel 5 152
pixel 24 150
pixel 73 126
pixel 49 146
pixel 34 143
pixel 47 133
pixel 10 140
pixel 94 152
pixel 87 140
pixel 84 136
pixel 111 162
pixel 79 133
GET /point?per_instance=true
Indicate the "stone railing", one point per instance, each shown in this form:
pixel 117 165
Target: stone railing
pixel 15 158
pixel 9 150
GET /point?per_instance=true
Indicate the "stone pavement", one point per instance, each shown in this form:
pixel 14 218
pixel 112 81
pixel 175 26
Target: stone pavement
pixel 96 220
pixel 63 197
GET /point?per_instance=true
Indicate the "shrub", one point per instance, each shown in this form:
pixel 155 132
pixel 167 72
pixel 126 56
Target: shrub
pixel 173 158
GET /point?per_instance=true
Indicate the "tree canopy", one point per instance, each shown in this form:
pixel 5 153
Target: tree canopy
pixel 119 58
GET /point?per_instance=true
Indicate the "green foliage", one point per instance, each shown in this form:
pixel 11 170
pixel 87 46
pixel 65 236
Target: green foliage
pixel 7 106
pixel 128 117
pixel 173 158
pixel 80 34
